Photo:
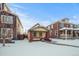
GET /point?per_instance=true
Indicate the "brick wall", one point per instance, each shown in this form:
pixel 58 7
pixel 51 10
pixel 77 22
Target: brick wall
pixel 55 31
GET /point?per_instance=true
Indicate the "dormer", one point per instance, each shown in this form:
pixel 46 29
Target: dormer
pixel 65 20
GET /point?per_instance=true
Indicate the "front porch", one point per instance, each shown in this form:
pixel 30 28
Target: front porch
pixel 37 35
pixel 37 32
pixel 69 33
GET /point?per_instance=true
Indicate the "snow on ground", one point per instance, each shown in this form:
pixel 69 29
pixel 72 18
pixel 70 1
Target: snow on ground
pixel 25 48
pixel 70 41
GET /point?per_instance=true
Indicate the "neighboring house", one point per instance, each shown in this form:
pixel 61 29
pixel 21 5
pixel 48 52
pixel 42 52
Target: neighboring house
pixel 19 27
pixel 9 22
pixel 64 29
pixel 37 32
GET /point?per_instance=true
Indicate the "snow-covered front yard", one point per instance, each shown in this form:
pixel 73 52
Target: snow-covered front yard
pixel 25 48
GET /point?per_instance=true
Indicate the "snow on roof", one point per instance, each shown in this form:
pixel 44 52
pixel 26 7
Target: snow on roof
pixel 37 26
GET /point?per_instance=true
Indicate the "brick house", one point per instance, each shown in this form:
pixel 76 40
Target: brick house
pixel 37 32
pixel 9 22
pixel 63 29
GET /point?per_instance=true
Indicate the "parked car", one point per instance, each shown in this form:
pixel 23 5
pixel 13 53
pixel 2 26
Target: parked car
pixel 7 41
pixel 20 37
pixel 45 39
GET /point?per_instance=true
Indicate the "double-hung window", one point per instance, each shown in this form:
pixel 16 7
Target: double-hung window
pixel 61 25
pixel 7 19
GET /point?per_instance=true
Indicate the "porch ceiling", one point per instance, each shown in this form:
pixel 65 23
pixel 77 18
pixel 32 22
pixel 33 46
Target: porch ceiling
pixel 76 29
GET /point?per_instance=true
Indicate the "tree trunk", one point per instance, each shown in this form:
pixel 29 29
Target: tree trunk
pixel 3 41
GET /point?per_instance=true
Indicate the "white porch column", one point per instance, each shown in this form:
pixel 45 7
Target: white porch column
pixel 76 34
pixel 65 34
pixel 72 34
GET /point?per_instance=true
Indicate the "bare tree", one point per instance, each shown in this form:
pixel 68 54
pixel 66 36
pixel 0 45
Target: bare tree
pixel 4 35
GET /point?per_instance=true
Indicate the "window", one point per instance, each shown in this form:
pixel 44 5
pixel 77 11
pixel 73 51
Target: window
pixel 7 32
pixel 10 19
pixel 61 25
pixel 71 25
pixel 0 6
pixel 56 32
pixel 6 19
pixel 0 32
pixel 40 33
pixel 34 33
pixel 3 32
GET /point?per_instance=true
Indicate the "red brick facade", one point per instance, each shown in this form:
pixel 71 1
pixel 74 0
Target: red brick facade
pixel 54 28
pixel 6 25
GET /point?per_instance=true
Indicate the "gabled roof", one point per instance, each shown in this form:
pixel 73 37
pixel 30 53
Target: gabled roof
pixel 8 12
pixel 3 6
pixel 37 26
pixel 63 20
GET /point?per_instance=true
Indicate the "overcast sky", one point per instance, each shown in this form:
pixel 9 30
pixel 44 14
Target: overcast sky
pixel 44 13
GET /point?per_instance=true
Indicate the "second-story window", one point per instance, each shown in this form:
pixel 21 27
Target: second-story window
pixel 51 26
pixel 0 6
pixel 61 25
pixel 6 19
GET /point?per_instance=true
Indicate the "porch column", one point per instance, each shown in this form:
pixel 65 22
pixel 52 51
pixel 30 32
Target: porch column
pixel 76 34
pixel 72 34
pixel 31 37
pixel 47 34
pixel 65 34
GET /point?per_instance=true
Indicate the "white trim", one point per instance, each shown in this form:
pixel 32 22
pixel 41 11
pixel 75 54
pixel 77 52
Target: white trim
pixel 51 26
pixel 76 29
pixel 65 28
pixel 65 34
